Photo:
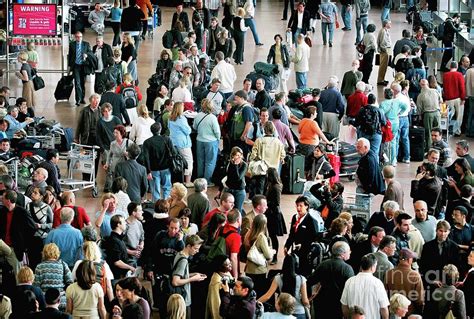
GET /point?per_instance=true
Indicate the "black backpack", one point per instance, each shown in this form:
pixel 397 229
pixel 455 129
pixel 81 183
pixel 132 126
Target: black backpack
pixel 370 120
pixel 168 40
pixel 167 288
pixel 130 97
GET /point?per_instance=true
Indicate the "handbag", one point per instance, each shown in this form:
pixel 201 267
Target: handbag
pixel 360 47
pixel 387 133
pixel 258 168
pixel 38 82
pixel 255 256
pixel 177 162
pixel 337 24
pixel 308 41
pixel 377 59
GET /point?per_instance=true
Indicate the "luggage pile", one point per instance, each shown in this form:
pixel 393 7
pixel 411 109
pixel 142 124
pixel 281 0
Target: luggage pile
pixel 349 159
pixel 297 100
pixel 267 71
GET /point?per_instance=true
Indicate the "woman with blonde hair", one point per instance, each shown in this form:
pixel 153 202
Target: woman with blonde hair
pixel 85 297
pixel 121 65
pixel 26 75
pixel 182 93
pixel 239 35
pixel 141 128
pixel 398 306
pixel 104 275
pixel 176 307
pixel 129 55
pixel 53 273
pixel 180 136
pixel 176 200
pixel 450 297
pixel 25 279
pixel 207 140
pixel 257 236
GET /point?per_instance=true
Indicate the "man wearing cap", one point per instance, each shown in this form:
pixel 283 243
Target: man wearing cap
pixel 52 298
pixel 402 279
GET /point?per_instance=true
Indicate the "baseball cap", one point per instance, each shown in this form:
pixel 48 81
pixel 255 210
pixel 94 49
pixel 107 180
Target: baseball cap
pixel 406 253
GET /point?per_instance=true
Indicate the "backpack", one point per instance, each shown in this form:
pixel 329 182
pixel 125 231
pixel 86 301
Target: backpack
pixel 130 97
pixel 238 124
pixel 167 40
pixel 318 252
pixel 101 276
pixel 167 288
pixel 218 246
pixel 370 120
pixel 439 31
pixel 415 82
pixel 113 73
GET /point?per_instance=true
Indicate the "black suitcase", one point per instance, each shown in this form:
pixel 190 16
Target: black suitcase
pixel 291 173
pixel 64 88
pixel 417 143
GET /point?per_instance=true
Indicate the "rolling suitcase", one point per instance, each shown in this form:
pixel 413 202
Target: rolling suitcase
pixel 335 162
pixel 292 174
pixel 64 88
pixel 417 143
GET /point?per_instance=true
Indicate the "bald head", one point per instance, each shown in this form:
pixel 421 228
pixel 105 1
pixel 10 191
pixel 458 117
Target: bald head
pixel 424 83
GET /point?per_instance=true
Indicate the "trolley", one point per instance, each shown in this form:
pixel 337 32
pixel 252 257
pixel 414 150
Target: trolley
pixel 12 165
pixel 358 204
pixel 81 159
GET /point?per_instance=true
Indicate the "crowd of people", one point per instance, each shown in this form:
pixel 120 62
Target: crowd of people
pixel 199 131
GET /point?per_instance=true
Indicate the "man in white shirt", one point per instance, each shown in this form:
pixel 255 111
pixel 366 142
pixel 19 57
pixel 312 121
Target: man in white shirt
pixel 366 291
pixel 225 72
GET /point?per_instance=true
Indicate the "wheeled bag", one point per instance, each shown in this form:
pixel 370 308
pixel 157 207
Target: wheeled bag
pixel 64 88
pixel 416 136
pixel 292 174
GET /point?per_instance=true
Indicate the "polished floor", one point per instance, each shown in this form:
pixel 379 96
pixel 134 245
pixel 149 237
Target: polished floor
pixel 325 61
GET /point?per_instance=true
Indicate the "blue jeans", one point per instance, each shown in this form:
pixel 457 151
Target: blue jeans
pixel 362 22
pixel 250 22
pixel 161 184
pixel 346 15
pixel 295 36
pixel 374 139
pixel 206 153
pixel 403 140
pixel 239 198
pixel 301 80
pixel 325 27
pixel 385 14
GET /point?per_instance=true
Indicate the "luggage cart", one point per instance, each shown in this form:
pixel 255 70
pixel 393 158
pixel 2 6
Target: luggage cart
pixel 81 160
pixel 358 204
pixel 12 165
pixel 153 22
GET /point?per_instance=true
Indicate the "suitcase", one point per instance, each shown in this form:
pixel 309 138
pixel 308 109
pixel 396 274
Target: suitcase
pixel 305 99
pixel 416 136
pixel 335 162
pixel 291 173
pixel 64 88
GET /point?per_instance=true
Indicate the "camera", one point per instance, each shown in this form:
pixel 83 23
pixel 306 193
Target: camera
pixel 229 281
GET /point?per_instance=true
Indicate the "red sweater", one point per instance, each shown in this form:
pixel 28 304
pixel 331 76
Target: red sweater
pixel 454 86
pixel 355 102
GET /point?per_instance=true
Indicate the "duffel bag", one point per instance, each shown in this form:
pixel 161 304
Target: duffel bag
pixel 265 68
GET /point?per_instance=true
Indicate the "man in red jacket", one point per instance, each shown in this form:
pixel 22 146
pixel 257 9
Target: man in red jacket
pixel 454 94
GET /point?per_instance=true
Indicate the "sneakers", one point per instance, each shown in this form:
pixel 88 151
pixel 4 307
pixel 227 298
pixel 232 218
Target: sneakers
pixel 189 185
pixel 406 161
pixel 330 44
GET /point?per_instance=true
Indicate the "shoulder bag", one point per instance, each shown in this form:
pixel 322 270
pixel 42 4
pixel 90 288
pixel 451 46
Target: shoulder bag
pixel 38 82
pixel 177 162
pixel 255 256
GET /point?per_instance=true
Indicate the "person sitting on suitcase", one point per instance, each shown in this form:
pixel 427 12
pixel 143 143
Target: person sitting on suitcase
pixel 97 18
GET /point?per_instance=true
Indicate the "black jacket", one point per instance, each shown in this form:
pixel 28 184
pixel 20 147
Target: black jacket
pixel 293 22
pixel 135 174
pixel 285 55
pixel 156 151
pixel 183 17
pixel 262 99
pixel 361 249
pixel 86 126
pixel 332 274
pixel 107 54
pixel 131 19
pixel 428 190
pixel 236 307
pixel 450 30
pixel 115 250
pixel 22 229
pixel 432 260
pixel 205 22
pixel 118 105
pixel 53 175
pixel 71 56
pixel 50 313
pixel 369 174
